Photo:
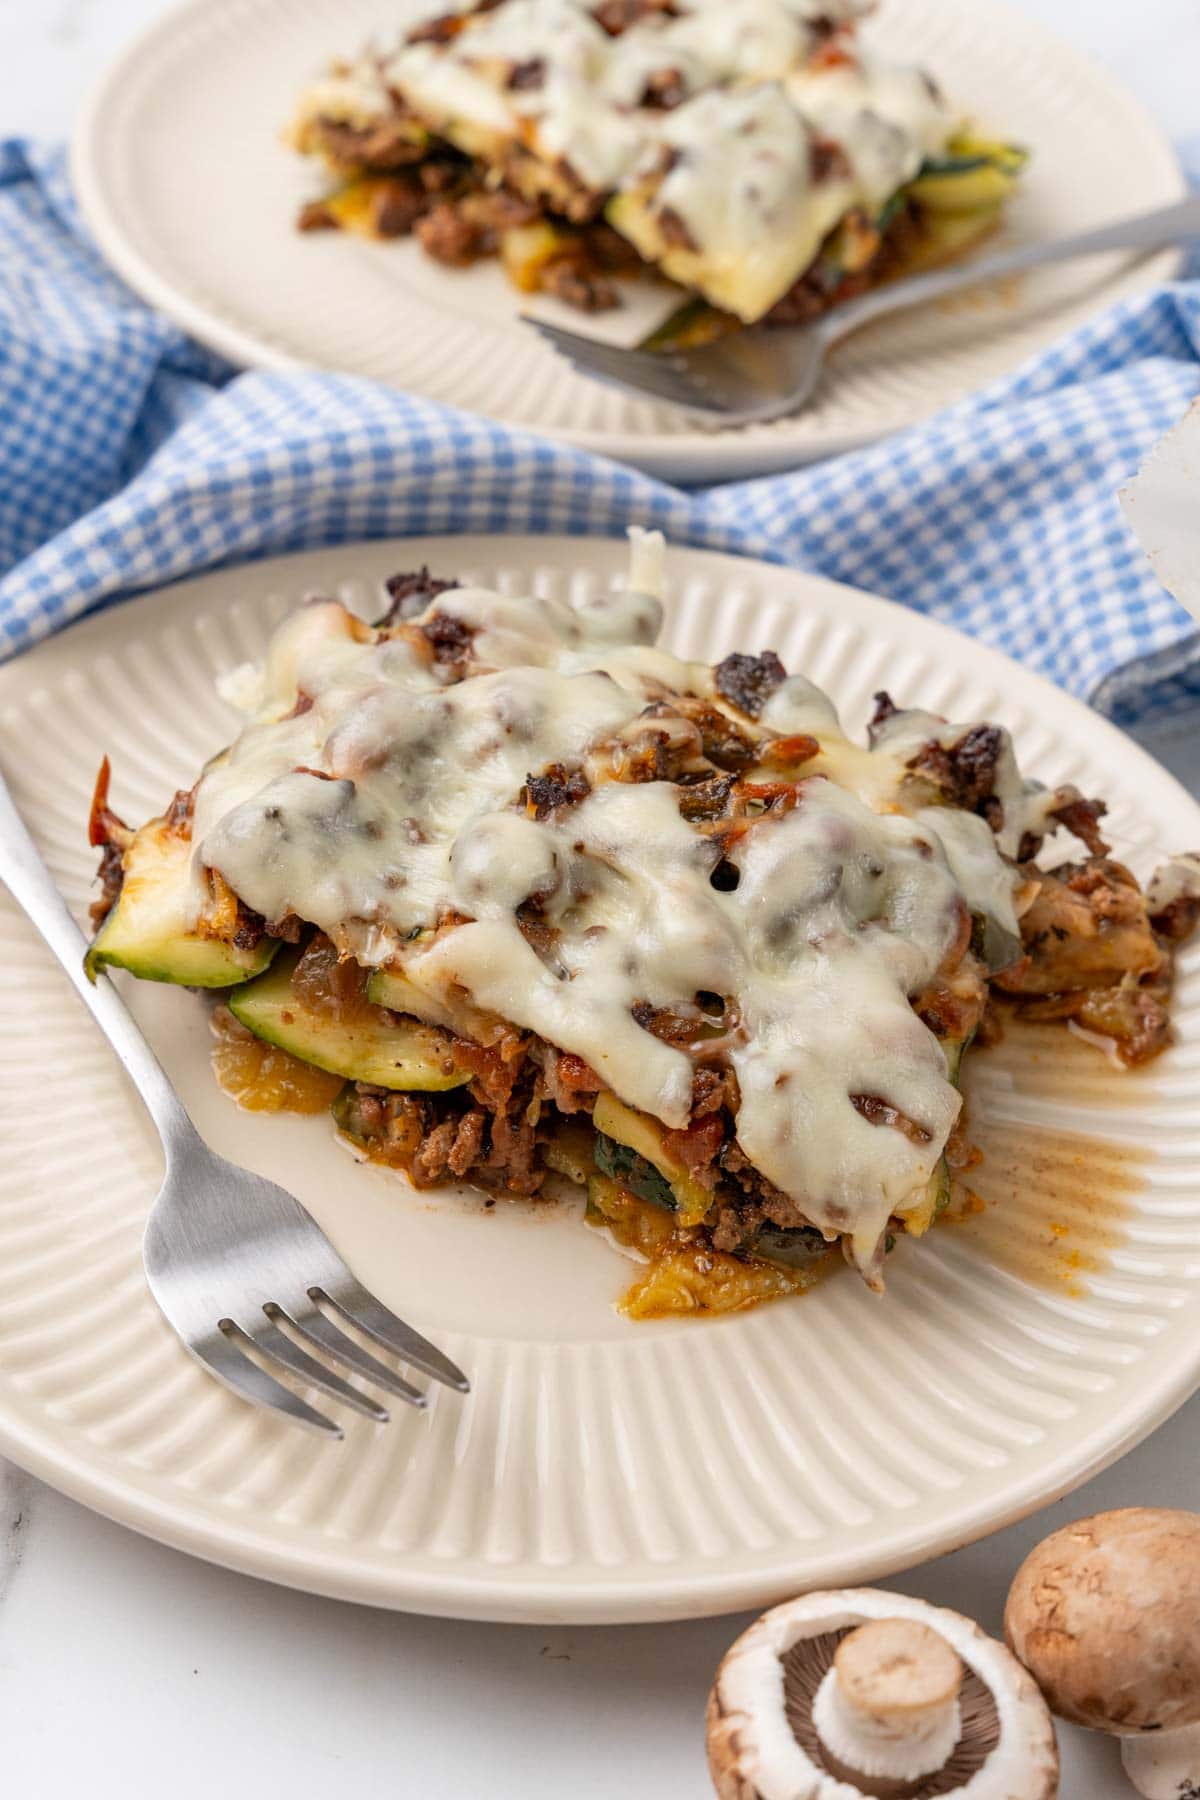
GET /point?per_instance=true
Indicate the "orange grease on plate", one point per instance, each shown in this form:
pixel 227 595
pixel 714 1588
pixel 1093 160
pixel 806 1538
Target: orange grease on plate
pixel 1048 1206
pixel 263 1079
pixel 1056 1066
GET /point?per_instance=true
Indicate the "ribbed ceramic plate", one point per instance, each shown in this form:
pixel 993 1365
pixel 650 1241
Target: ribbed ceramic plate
pixel 191 194
pixel 599 1470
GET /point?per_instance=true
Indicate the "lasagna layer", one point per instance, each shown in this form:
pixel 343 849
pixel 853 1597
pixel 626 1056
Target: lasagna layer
pixel 725 143
pixel 554 901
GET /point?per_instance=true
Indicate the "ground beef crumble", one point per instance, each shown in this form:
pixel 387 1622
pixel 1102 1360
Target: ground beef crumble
pixel 965 771
pixel 554 789
pixel 451 641
pixel 1082 817
pixel 723 742
pixel 665 89
pixel 527 75
pixel 485 1131
pixel 447 235
pixel 387 145
pixel 703 801
pixel 410 592
pixel 250 929
pixel 1177 920
pixel 616 16
pixel 758 1202
pixel 394 204
pixel 748 682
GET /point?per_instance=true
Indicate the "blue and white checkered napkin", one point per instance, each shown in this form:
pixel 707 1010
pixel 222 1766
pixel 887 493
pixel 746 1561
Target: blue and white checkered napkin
pixel 128 456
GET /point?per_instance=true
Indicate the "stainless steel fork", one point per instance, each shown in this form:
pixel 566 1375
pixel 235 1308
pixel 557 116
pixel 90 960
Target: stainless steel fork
pixel 756 374
pixel 245 1276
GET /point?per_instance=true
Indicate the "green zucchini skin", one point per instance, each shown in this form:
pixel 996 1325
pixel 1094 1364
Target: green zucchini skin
pixel 801 1247
pixel 974 174
pixel 939 1181
pixel 147 930
pixel 623 1164
pixel 798 1247
pixel 398 1056
pixel 345 1110
pixel 960 195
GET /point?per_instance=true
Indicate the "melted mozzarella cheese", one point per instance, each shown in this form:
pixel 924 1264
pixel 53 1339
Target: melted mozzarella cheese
pixel 742 164
pixel 379 800
pixel 1026 805
pixel 1177 879
pixel 886 118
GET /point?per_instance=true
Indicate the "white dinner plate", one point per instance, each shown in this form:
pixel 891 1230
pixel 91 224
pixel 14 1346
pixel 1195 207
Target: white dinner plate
pixel 600 1469
pixel 192 196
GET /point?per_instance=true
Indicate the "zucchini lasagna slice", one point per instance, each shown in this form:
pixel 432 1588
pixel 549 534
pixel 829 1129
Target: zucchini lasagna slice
pixel 751 151
pixel 531 898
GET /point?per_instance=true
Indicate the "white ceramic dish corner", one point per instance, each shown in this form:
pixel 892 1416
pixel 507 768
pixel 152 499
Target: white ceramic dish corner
pixel 192 196
pixel 599 1471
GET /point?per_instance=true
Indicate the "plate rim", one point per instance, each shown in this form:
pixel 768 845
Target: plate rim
pixel 687 457
pixel 90 1474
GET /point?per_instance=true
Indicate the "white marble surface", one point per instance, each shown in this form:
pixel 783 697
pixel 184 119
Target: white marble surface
pixel 127 1670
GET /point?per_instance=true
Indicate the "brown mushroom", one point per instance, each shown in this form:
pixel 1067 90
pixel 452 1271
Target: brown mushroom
pixel 1105 1615
pixel 871 1693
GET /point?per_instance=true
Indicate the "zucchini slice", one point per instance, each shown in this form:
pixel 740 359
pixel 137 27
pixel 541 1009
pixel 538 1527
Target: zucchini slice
pixel 638 1132
pixel 976 173
pixel 147 931
pixel 359 1047
pixel 936 1198
pixel 690 326
pixel 391 988
pixel 792 1247
pixel 624 1165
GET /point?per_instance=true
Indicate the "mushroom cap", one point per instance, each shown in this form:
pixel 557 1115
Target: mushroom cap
pixel 1104 1614
pixel 755 1754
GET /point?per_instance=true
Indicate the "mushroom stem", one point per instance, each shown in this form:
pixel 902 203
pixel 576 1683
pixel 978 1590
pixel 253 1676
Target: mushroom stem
pixel 1164 1765
pixel 888 1704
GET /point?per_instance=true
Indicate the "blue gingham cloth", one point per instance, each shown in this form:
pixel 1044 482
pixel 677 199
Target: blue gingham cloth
pixel 129 456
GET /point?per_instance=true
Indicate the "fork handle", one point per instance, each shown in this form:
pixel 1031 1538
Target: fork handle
pixel 32 886
pixel 1146 231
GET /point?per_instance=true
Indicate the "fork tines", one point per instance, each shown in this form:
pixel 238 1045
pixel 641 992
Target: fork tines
pixel 250 1356
pixel 637 371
